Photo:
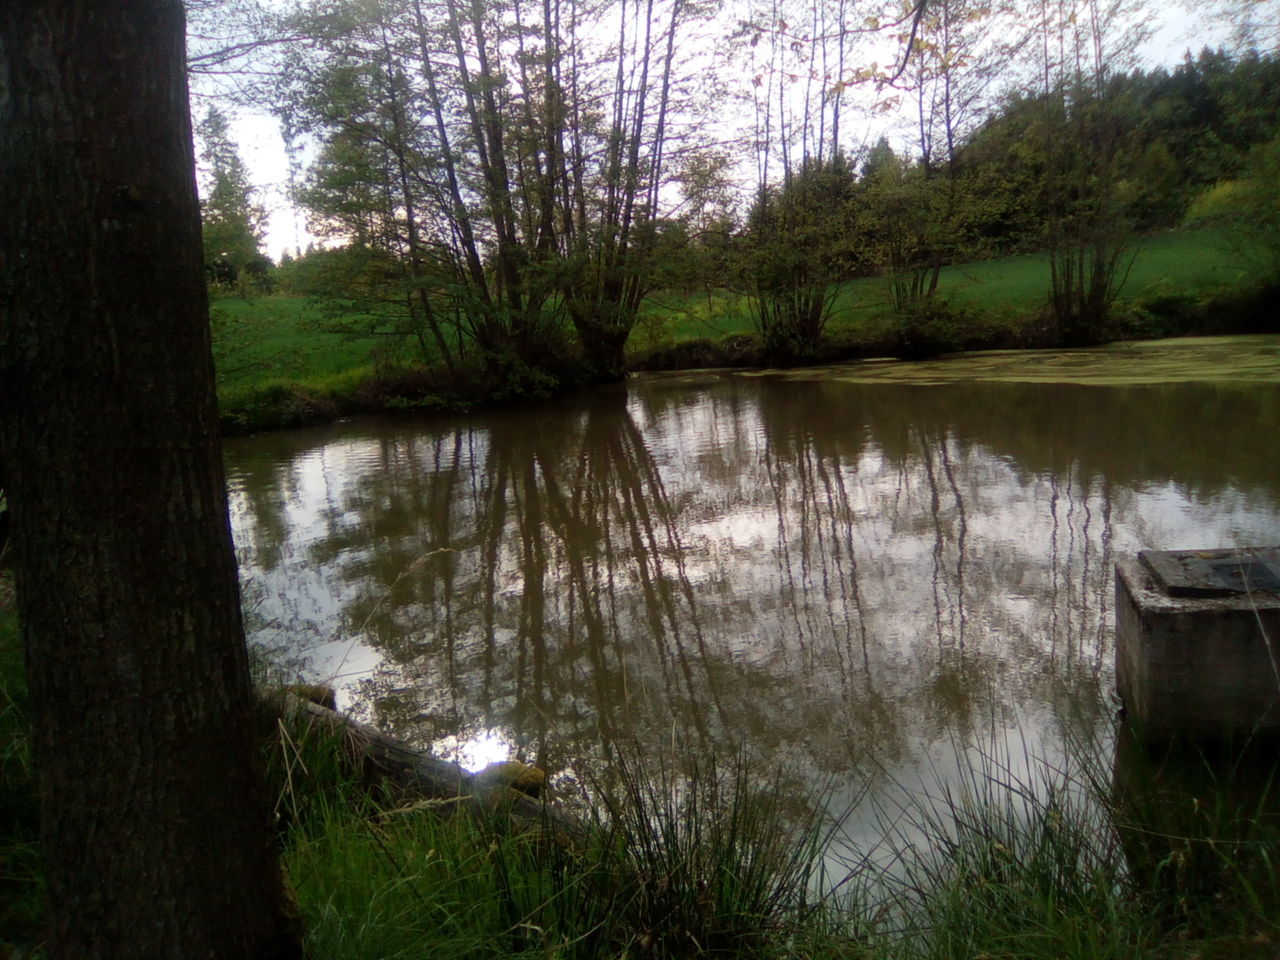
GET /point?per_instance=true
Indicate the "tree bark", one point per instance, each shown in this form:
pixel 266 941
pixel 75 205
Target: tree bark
pixel 155 831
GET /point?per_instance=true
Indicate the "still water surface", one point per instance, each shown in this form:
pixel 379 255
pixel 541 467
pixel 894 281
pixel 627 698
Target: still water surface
pixel 852 569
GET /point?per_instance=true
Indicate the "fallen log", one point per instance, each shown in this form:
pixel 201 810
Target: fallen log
pixel 410 775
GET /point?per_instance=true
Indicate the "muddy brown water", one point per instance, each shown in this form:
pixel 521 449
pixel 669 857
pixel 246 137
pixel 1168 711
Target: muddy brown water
pixel 862 571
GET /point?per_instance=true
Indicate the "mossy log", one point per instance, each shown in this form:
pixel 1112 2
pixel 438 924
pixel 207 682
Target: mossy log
pixel 410 775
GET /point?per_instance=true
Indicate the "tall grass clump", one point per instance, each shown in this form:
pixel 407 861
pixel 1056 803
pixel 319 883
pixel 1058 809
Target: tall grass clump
pixel 698 864
pixel 1201 832
pixel 721 863
pixel 1105 855
pixel 1013 860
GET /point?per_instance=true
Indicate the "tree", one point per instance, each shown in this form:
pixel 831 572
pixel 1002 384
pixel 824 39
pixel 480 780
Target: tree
pixel 909 224
pixel 1087 154
pixel 155 832
pixel 1247 210
pixel 1254 24
pixel 511 156
pixel 798 231
pixel 797 251
pixel 234 224
pixel 955 52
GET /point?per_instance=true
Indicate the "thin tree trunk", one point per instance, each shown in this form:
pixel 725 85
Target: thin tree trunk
pixel 458 211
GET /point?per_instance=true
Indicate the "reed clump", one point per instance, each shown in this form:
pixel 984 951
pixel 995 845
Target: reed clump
pixel 677 862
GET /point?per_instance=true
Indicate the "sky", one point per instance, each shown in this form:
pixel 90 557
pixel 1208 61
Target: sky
pixel 263 151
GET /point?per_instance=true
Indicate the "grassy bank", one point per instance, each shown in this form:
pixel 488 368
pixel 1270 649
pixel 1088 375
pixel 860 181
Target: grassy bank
pixel 285 362
pixel 1176 283
pixel 1134 859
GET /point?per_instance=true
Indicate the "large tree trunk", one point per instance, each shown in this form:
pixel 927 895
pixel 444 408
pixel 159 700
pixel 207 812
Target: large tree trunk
pixel 154 822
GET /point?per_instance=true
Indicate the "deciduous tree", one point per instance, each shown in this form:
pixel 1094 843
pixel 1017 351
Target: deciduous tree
pixel 155 832
pixel 1083 46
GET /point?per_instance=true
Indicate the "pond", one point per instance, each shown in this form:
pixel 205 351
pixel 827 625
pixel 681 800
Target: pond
pixel 860 570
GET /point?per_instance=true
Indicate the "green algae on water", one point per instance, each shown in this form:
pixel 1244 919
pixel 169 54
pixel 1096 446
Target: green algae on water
pixel 1245 359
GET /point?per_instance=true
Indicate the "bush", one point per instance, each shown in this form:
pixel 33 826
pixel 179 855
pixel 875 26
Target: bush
pixel 929 326
pixel 1248 209
pixel 1162 312
pixel 275 405
pixel 1251 308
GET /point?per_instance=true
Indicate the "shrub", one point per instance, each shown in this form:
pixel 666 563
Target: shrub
pixel 929 326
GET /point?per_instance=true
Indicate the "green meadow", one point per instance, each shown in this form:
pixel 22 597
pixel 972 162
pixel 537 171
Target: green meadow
pixel 285 360
pixel 1006 289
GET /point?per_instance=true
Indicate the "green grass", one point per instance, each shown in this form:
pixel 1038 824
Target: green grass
pixel 1185 261
pixel 1001 294
pixel 278 365
pixel 1150 858
pixel 281 363
pixel 273 338
pixel 700 863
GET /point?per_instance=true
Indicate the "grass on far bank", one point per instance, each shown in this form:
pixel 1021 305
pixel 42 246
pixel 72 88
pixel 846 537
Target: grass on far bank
pixel 277 338
pixel 1141 860
pixel 1007 289
pixel 281 363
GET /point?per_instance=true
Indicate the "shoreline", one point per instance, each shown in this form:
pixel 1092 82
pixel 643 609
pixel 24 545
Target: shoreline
pixel 286 405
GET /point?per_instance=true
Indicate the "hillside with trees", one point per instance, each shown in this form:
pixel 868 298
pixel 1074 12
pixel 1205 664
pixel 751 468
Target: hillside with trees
pixel 501 188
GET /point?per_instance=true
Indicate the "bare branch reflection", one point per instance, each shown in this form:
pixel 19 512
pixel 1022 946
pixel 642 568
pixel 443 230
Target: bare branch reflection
pixel 841 574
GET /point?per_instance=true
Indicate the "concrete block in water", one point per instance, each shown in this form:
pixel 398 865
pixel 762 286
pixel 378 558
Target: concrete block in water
pixel 1198 643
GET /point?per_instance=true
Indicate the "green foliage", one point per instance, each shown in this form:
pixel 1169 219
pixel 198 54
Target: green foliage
pixel 1088 227
pixel 281 404
pixel 928 326
pixel 234 225
pixel 1181 131
pixel 1247 209
pixel 798 248
pixel 1166 311
pixel 914 223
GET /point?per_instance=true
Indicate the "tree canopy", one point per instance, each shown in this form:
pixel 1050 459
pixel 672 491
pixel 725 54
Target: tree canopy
pixel 514 179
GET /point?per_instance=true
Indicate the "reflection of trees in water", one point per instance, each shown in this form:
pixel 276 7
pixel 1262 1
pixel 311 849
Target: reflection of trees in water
pixel 561 608
pixel 978 600
pixel 819 569
pixel 269 476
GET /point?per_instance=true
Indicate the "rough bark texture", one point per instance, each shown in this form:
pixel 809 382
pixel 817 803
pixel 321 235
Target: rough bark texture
pixel 154 824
